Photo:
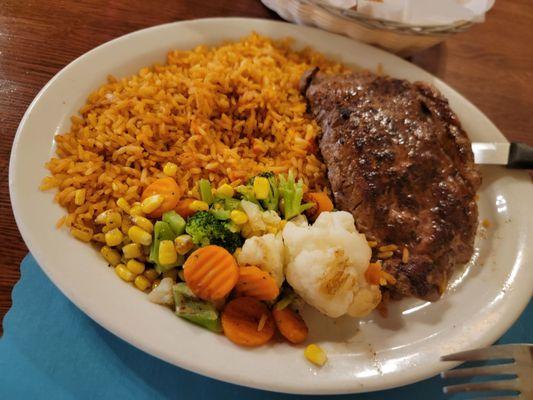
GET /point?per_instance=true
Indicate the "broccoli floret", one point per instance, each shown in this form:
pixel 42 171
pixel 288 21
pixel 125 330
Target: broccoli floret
pixel 206 229
pixel 199 226
pixel 292 193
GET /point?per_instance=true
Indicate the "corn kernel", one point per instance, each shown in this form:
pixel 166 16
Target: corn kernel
pixel 225 190
pixel 151 274
pixel 113 237
pixel 142 283
pixel 106 229
pixel 110 255
pixel 183 244
pixel 136 210
pixel 152 203
pixel 83 235
pixel 113 220
pixel 124 274
pixel 315 354
pixel 170 169
pixel 167 252
pixel 173 273
pixel 143 223
pixel 261 187
pixel 199 205
pixel 99 237
pixel 132 250
pixel 123 204
pixel 239 217
pixel 135 266
pixel 126 225
pixel 102 217
pixel 138 235
pixel 79 197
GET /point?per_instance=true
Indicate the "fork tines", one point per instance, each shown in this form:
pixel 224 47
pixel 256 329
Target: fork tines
pixel 519 370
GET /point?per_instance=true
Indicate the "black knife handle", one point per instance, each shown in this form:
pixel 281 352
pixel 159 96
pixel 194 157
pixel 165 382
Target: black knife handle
pixel 520 156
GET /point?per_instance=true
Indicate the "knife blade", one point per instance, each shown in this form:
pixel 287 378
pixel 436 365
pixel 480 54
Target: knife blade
pixel 513 155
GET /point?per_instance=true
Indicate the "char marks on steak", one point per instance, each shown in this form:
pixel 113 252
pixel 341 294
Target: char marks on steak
pixel 399 161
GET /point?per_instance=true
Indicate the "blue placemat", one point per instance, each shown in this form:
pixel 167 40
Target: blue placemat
pixel 51 350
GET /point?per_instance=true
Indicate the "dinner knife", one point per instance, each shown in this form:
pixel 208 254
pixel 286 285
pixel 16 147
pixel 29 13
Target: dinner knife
pixel 512 155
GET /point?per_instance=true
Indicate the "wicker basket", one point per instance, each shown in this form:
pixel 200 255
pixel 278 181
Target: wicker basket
pixel 396 37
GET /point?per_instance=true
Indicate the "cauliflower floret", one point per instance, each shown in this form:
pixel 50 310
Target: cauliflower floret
pixel 364 300
pixel 336 220
pixel 265 252
pixel 162 294
pixel 326 263
pixel 259 222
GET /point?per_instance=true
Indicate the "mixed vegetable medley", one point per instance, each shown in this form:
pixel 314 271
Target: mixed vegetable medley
pixel 239 260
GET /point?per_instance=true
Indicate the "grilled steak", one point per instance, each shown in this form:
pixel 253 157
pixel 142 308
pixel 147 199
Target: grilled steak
pixel 399 161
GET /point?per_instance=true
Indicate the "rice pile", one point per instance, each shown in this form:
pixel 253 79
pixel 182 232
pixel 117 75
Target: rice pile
pixel 223 113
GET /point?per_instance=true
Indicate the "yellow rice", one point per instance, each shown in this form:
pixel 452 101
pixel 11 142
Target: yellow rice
pixel 223 113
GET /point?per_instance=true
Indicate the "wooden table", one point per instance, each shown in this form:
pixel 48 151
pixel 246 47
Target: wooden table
pixel 491 64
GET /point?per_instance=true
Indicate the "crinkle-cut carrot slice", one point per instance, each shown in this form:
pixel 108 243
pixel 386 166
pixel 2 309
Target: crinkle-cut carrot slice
pixel 256 283
pixel 247 322
pixel 290 324
pixel 211 272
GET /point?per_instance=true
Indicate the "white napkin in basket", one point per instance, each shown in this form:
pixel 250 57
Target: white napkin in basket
pixel 420 12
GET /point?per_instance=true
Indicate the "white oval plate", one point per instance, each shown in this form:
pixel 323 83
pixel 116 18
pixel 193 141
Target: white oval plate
pixel 376 353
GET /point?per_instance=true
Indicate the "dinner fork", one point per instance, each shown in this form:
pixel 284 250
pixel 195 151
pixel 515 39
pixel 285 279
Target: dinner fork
pixel 519 371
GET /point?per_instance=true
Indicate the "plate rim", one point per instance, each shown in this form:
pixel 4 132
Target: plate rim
pixel 489 338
